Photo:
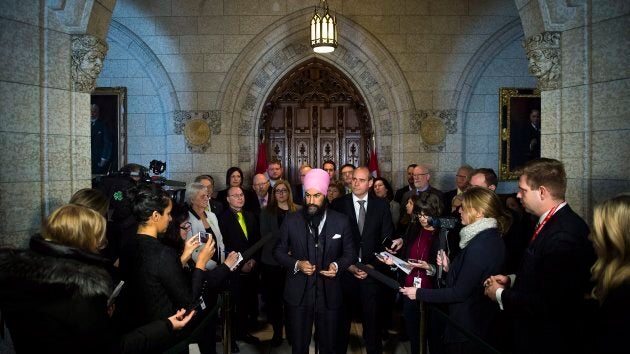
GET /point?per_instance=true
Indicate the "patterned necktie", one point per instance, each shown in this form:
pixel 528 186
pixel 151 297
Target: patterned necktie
pixel 241 220
pixel 361 215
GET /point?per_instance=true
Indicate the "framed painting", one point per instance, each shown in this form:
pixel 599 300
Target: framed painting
pixel 519 129
pixel 108 116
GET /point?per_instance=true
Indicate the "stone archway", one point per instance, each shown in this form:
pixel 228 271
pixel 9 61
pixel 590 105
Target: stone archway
pixel 282 46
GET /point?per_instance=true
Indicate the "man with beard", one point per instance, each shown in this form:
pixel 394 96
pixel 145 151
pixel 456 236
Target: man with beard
pixel 315 244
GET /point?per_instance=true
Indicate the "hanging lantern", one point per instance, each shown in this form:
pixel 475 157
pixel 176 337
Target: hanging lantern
pixel 323 29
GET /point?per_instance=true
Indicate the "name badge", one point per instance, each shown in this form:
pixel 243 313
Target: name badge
pixel 417 282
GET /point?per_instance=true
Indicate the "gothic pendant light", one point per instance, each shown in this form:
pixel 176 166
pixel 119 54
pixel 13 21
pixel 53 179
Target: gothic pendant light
pixel 323 29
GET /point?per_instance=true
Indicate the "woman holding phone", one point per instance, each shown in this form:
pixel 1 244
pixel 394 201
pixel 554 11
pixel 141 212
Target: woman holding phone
pixel 203 223
pixel 155 280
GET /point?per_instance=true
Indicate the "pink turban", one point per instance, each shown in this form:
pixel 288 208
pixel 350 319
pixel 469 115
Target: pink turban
pixel 318 179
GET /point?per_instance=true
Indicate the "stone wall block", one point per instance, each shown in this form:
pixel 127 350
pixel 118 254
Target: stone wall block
pixel 573 60
pixel 611 48
pixel 608 147
pixel 19 57
pixel 142 8
pixel 604 10
pixel 19 151
pixel 610 107
pixel 21 115
pixel 197 7
pixel 573 101
pixel 59 103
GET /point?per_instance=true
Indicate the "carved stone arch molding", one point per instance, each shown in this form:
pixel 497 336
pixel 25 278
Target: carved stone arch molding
pixel 476 66
pixel 284 45
pixel 120 35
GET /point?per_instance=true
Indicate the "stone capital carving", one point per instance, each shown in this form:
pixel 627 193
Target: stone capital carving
pixel 88 53
pixel 543 52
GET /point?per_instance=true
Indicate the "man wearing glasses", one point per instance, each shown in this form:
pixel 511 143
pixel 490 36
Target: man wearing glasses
pixel 240 231
pixel 462 182
pixel 421 177
pixel 263 192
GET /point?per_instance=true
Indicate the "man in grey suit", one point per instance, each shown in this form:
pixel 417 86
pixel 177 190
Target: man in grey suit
pixel 315 244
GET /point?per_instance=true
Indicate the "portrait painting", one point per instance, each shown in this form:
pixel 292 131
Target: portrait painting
pixel 519 131
pixel 108 127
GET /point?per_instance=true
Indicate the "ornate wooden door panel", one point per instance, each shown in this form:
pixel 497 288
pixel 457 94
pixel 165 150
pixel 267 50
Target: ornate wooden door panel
pixel 315 114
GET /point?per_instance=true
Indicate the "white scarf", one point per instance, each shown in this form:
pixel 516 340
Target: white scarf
pixel 469 232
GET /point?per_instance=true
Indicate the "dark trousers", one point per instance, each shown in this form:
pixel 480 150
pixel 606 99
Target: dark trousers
pixel 363 297
pixel 273 285
pixel 300 326
pixel 244 289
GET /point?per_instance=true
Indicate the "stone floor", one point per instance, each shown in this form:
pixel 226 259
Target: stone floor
pixel 391 346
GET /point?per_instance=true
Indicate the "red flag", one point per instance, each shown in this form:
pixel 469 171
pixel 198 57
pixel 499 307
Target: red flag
pixel 261 164
pixel 373 165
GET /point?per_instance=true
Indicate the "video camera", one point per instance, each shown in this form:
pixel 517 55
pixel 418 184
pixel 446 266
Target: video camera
pixel 444 223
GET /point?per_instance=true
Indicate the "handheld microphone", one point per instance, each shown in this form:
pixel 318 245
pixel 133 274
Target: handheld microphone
pixel 442 241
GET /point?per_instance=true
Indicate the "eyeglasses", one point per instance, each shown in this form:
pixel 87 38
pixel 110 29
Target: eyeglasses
pixel 237 196
pixel 420 174
pixel 461 176
pixel 260 184
pixel 281 191
pixel 185 226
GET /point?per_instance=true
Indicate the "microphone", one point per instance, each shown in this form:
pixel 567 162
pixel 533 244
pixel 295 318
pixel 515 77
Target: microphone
pixel 442 241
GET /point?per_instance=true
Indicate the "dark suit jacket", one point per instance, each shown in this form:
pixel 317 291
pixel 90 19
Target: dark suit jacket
pixel 547 298
pixel 447 198
pixel 378 225
pixel 233 236
pixel 292 246
pixel 399 194
pixel 298 190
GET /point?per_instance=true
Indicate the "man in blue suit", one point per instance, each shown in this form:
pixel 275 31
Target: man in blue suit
pixel 315 245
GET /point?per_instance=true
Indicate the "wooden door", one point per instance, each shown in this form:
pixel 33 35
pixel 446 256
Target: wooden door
pixel 315 114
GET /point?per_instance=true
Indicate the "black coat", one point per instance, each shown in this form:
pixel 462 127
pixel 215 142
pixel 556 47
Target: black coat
pixel 467 305
pixel 547 299
pixel 233 235
pixel 156 283
pixel 54 299
pixel 292 247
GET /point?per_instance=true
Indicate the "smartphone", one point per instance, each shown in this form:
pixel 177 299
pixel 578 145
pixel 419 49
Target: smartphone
pixel 388 242
pixel 413 260
pixel 204 237
pixel 198 305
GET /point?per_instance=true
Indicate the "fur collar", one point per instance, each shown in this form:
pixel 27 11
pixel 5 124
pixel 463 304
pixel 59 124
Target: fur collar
pixel 58 265
pixel 469 232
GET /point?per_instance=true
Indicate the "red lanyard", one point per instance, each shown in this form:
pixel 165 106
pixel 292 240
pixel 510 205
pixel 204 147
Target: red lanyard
pixel 540 225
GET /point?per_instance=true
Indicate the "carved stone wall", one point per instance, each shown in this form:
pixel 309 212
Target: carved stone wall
pixel 543 51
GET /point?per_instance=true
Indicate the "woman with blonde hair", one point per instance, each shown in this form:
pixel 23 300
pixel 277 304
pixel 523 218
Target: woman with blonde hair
pixel 55 295
pixel 611 272
pixel 482 254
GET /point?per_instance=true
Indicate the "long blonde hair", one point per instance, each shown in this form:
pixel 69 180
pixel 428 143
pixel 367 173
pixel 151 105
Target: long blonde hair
pixel 75 226
pixel 489 204
pixel 611 237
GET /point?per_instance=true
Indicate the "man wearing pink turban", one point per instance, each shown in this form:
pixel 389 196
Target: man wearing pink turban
pixel 315 244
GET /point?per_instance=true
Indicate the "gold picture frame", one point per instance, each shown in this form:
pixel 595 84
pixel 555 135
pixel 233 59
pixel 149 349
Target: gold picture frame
pixel 112 104
pixel 519 134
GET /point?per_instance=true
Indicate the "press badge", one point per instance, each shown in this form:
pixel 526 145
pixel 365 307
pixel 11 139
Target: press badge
pixel 417 282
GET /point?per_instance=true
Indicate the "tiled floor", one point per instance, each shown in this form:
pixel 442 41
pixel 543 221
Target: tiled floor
pixel 392 346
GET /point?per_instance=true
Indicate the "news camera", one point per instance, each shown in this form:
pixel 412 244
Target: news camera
pixel 444 223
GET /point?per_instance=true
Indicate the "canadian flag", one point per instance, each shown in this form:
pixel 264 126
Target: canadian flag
pixel 373 165
pixel 261 164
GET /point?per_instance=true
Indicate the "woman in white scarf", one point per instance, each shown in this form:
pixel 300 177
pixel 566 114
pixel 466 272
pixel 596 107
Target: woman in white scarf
pixel 482 254
pixel 203 220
